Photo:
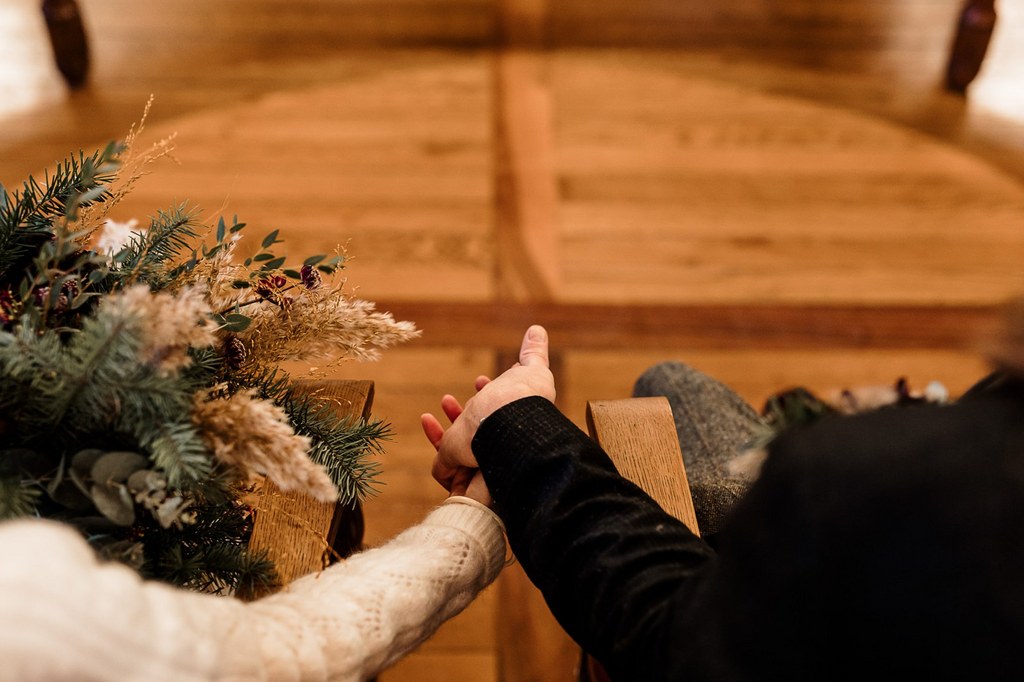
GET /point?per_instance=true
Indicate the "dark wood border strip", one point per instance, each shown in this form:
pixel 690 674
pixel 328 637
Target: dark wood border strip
pixel 579 326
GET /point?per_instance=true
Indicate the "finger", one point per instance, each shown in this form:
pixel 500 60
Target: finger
pixel 432 429
pixel 534 351
pixel 481 381
pixel 443 473
pixel 451 406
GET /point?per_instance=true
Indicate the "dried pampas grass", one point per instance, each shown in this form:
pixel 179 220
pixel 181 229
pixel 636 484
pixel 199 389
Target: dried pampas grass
pixel 169 324
pixel 254 437
pixel 322 323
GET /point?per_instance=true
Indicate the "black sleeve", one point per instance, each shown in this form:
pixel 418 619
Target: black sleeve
pixel 615 569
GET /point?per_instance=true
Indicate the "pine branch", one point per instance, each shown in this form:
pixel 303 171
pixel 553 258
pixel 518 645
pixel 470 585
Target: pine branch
pixel 179 451
pixel 16 499
pixel 28 218
pixel 210 555
pixel 90 381
pixel 342 446
pixel 270 383
pixel 149 255
pixel 94 383
pixel 30 364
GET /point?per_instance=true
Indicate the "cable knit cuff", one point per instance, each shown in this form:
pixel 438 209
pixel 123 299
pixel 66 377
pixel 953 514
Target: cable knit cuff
pixel 461 499
pixel 478 522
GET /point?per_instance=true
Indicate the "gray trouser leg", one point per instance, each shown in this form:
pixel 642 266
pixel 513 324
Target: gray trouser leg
pixel 714 425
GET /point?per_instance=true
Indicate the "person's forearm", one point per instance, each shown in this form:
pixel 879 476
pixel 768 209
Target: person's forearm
pixel 606 557
pixel 376 606
pixel 66 616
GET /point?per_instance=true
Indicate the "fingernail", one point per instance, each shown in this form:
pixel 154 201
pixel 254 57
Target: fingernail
pixel 536 333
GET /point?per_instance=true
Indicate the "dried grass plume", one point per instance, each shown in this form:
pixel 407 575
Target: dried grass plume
pixel 254 437
pixel 169 324
pixel 322 323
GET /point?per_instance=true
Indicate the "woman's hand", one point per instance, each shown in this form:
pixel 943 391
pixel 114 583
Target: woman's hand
pixel 455 466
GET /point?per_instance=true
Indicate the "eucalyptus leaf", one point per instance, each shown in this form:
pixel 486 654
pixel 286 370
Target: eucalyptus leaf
pixel 117 466
pixel 270 239
pixel 236 322
pixel 68 494
pixel 146 481
pixel 79 481
pixel 114 502
pixel 273 264
pixel 82 461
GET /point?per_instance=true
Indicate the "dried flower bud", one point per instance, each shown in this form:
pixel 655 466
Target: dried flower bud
pixel 267 286
pixel 41 296
pixel 310 277
pixel 70 288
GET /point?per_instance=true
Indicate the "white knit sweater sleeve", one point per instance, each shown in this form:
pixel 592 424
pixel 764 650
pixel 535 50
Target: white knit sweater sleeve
pixel 66 616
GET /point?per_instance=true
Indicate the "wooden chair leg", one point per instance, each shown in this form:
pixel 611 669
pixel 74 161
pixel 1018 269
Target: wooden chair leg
pixel 67 36
pixel 974 31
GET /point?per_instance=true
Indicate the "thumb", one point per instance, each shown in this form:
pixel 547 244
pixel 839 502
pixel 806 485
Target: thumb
pixel 534 351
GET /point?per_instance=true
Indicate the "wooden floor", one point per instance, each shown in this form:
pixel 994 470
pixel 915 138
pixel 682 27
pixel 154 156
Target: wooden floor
pixel 776 191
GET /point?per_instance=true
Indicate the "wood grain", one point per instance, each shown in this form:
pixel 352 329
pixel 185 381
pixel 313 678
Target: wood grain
pixel 639 436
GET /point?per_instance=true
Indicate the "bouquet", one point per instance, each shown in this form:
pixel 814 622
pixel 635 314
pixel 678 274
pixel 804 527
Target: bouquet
pixel 141 391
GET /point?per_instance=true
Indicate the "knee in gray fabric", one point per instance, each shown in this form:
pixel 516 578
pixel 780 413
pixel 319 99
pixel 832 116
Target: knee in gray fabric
pixel 713 425
pixel 664 378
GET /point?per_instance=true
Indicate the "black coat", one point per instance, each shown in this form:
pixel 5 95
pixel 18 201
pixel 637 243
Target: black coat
pixel 883 546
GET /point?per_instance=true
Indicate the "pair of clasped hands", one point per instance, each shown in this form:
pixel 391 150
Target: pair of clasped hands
pixel 455 466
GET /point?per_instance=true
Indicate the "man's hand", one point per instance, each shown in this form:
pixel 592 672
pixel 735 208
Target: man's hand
pixel 455 466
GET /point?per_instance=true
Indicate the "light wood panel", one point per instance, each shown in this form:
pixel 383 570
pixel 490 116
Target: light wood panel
pixel 685 189
pixel 639 435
